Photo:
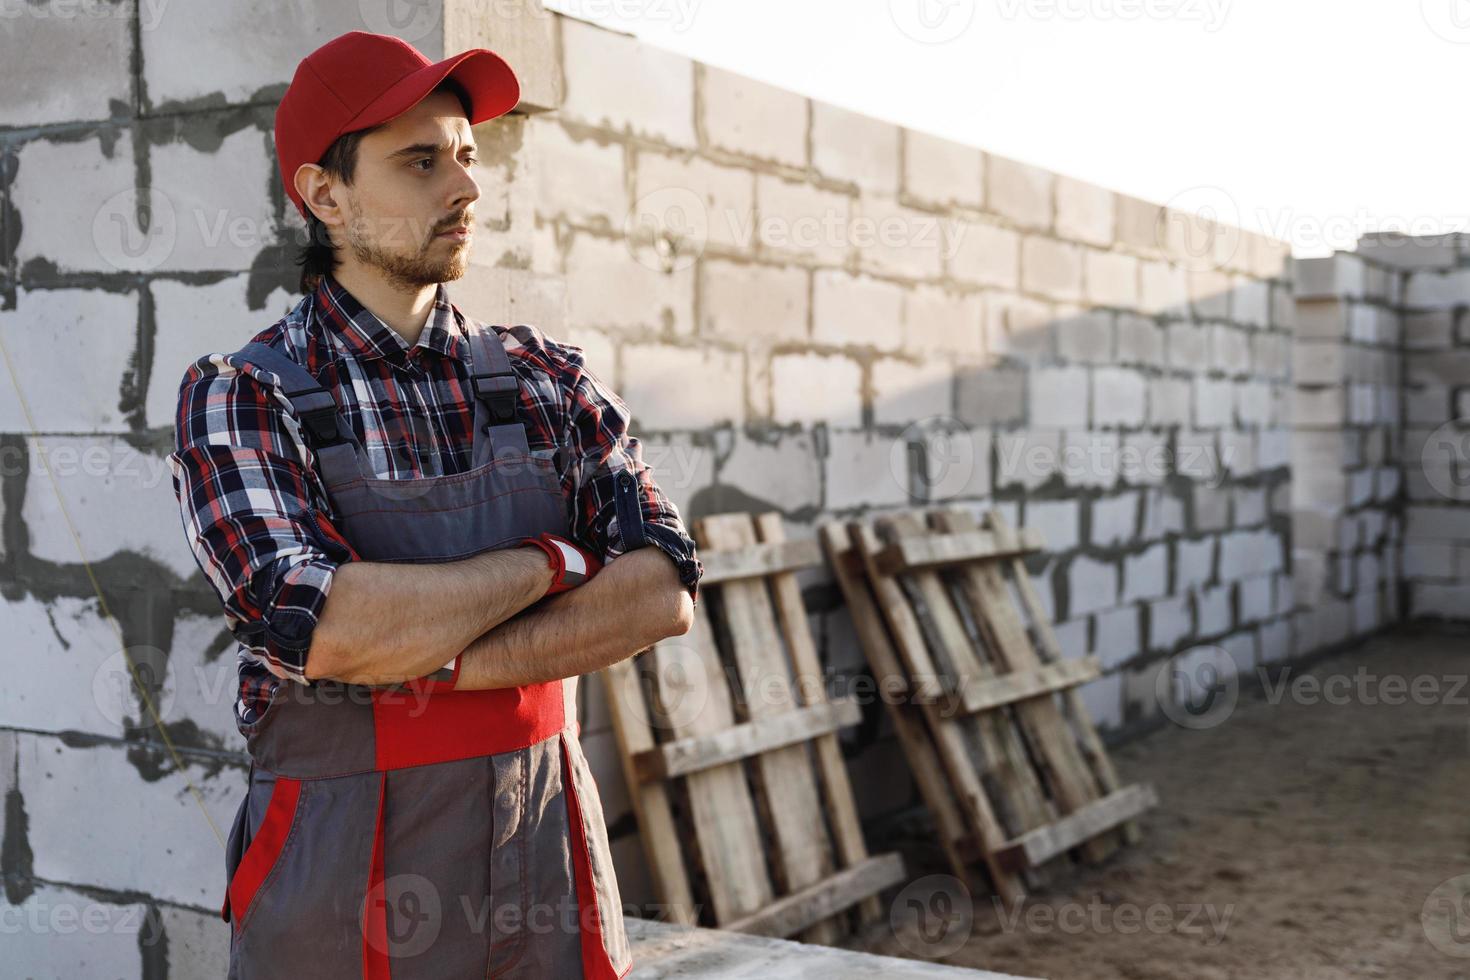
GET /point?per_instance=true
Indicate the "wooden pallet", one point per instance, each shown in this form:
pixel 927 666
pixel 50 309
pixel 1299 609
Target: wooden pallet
pixel 1001 745
pixel 729 744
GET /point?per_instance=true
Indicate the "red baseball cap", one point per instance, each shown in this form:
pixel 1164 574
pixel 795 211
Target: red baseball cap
pixel 360 80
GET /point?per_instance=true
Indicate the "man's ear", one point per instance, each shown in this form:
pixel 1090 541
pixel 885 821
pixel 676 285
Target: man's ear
pixel 315 188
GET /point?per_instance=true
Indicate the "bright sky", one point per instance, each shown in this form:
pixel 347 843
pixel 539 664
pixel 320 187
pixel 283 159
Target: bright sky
pixel 1309 120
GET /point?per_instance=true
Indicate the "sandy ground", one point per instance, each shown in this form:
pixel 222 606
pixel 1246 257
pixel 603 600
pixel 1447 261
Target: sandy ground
pixel 1321 836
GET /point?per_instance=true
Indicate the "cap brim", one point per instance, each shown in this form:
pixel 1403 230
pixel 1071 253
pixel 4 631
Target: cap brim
pixel 490 82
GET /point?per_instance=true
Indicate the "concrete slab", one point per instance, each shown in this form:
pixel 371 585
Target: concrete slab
pixel 663 952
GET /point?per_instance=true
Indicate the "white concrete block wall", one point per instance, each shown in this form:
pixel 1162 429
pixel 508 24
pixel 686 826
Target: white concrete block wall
pixel 848 316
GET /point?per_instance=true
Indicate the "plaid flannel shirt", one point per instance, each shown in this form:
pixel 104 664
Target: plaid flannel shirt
pixel 245 481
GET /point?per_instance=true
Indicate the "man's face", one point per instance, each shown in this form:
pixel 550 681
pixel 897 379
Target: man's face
pixel 412 184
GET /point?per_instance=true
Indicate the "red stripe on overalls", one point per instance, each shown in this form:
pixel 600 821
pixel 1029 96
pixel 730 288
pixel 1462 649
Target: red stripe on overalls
pixel 375 964
pixel 596 964
pixel 264 849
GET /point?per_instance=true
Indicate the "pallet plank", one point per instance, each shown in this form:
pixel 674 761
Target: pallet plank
pixel 848 887
pixel 687 755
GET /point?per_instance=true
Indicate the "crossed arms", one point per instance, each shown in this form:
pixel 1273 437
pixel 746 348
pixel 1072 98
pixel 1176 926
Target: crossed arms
pixel 387 623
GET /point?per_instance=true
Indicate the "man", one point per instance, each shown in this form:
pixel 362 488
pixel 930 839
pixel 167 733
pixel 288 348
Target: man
pixel 422 529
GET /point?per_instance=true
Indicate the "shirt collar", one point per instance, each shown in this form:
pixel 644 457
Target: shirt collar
pixel 366 336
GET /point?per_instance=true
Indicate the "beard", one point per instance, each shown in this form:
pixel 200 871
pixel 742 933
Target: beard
pixel 428 265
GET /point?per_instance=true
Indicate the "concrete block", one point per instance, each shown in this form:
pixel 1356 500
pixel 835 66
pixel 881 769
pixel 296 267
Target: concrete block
pixel 1085 336
pixel 71 348
pixel 1145 458
pixel 195 319
pixel 579 179
pixel 942 171
pixel 812 388
pixel 683 465
pixel 936 319
pixel 744 301
pixel 984 254
pixel 1146 574
pixel 1433 330
pixel 1214 400
pixel 1163 288
pixel 66 786
pixel 904 392
pixel 680 388
pixel 1140 341
pixel 1212 605
pixel 1169 622
pixel 803 223
pixel 752 118
pixel 856 148
pixel 1057 521
pixel 956 461
pixel 1325 319
pixel 1119 397
pixel 619 83
pixel 1019 192
pixel 1084 212
pixel 100 477
pixel 865 470
pixel 1028 457
pixel 1091 458
pixel 1103 699
pixel 894 240
pixel 1141 224
pixel 717 204
pixel 614 285
pixel 45 43
pixel 1339 275
pixel 56 932
pixel 852 310
pixel 990 396
pixel 1058 397
pixel 1092 585
pixel 1114 520
pixel 1118 636
pixel 1111 279
pixel 1229 348
pixel 1051 268
pixel 1187 345
pixel 1250 302
pixel 198 943
pixel 1209 293
pixel 1169 401
pixel 1163 513
pixel 1194 562
pixel 1437 289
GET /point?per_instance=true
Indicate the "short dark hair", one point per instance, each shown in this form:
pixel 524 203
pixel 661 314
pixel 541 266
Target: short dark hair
pixel 318 256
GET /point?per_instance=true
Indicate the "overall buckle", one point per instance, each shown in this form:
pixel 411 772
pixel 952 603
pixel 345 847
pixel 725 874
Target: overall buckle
pixel 498 392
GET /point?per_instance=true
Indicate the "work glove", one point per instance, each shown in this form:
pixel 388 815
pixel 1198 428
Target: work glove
pixel 571 564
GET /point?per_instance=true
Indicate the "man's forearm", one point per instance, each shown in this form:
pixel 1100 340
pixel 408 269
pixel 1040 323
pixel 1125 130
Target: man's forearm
pixel 384 622
pixel 632 603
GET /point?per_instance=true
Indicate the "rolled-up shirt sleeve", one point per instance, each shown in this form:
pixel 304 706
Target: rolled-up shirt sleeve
pixel 248 503
pixel 618 506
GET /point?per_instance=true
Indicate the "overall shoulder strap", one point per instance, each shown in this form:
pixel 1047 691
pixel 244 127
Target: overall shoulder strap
pixel 497 392
pixel 313 404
